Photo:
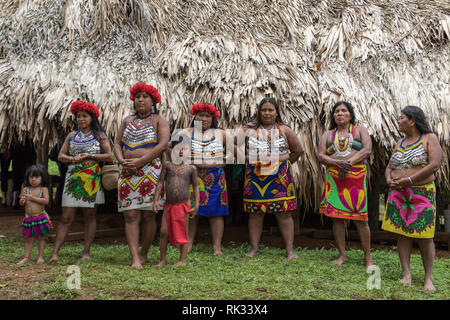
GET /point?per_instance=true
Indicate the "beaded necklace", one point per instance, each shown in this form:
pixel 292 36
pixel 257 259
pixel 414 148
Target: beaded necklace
pixel 140 133
pixel 343 146
pixel 206 149
pixel 84 143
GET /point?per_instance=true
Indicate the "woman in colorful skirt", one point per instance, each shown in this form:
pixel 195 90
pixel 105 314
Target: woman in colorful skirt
pixel 82 150
pixel 207 154
pixel 344 149
pixel 271 149
pixel 138 146
pixel 411 204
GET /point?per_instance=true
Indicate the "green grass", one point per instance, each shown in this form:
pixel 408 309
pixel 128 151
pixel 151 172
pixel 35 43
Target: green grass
pixel 234 276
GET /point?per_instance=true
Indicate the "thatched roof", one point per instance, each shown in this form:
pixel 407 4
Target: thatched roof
pixel 378 55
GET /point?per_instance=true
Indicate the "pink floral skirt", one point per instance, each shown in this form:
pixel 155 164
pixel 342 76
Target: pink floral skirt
pixel 411 212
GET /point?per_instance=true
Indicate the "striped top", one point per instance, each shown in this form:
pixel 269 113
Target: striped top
pixel 409 156
pixel 84 143
pixel 140 133
pixel 259 146
pixel 208 150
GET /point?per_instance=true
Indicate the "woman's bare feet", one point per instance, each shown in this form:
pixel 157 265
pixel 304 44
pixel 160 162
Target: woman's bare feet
pixel 141 258
pixel 428 285
pixel 40 260
pixel 161 264
pixel 54 258
pixel 85 256
pixel 291 255
pixel 340 260
pixel 406 280
pixel 136 265
pixel 180 263
pixel 252 253
pixel 23 261
pixel 218 253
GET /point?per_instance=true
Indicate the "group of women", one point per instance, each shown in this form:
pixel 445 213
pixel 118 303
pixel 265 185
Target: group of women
pixel 268 186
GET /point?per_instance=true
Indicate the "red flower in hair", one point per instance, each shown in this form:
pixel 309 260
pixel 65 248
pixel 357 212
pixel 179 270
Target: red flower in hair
pixel 80 105
pixel 143 87
pixel 201 107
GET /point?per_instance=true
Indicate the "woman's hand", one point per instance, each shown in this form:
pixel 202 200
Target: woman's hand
pixel 80 158
pixel 132 164
pixel 345 165
pixel 394 184
pixel 402 182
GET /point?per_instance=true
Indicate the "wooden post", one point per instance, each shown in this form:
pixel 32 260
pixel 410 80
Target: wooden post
pixel 374 202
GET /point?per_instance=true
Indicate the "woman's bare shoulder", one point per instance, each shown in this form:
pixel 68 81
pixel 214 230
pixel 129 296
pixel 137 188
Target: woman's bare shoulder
pixel 128 119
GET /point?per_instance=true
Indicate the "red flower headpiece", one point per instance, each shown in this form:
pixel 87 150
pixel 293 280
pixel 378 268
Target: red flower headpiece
pixel 200 107
pixel 84 106
pixel 143 87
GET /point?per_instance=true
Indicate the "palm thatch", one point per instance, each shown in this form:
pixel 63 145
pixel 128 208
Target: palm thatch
pixel 379 55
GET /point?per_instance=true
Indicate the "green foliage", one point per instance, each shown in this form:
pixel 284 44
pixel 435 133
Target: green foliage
pixel 233 276
pixel 53 168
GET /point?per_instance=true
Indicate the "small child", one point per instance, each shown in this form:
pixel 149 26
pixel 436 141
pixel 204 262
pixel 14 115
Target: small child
pixel 34 196
pixel 175 178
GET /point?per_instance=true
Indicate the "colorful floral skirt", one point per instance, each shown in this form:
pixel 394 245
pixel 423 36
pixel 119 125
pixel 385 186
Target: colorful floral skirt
pixel 411 212
pixel 36 225
pixel 213 192
pixel 137 188
pixel 82 186
pixel 270 193
pixel 345 199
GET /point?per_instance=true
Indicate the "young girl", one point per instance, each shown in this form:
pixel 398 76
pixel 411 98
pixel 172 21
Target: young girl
pixel 34 196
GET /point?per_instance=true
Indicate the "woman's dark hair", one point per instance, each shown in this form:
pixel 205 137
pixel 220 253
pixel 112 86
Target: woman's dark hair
pixel 96 127
pixel 257 122
pixel 36 170
pixel 349 108
pixel 214 123
pixel 416 114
